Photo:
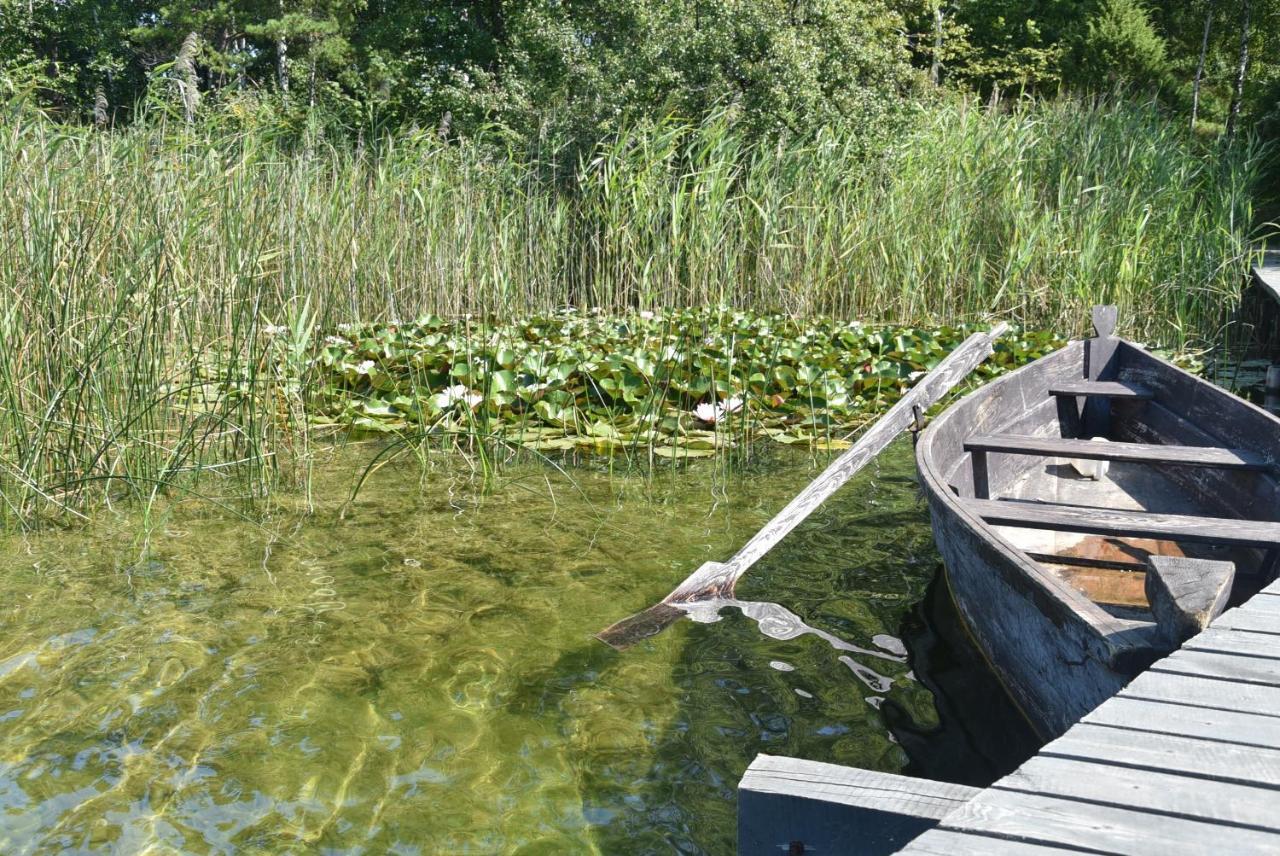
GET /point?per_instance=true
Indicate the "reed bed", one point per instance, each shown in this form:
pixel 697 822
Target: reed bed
pixel 142 269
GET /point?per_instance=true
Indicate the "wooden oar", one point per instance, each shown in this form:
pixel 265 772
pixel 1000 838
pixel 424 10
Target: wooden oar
pixel 717 579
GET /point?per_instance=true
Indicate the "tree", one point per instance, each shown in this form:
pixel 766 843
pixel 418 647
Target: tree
pixel 1119 46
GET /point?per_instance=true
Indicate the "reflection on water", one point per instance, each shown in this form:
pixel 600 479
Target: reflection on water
pixel 418 675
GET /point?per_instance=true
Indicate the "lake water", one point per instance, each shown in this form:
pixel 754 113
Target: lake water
pixel 418 674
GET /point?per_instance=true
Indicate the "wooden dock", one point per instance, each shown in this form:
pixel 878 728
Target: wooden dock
pixel 1268 273
pixel 1185 759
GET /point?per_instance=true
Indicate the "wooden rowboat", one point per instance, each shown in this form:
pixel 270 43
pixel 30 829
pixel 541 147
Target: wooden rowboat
pixel 1073 579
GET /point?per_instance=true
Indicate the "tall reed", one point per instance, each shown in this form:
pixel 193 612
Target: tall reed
pixel 139 267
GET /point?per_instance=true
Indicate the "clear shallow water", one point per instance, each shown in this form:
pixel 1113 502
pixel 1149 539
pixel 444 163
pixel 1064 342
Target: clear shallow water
pixel 418 676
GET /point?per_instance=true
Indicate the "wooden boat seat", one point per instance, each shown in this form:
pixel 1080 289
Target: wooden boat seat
pixel 1190 456
pixel 1102 389
pixel 1185 594
pixel 1136 524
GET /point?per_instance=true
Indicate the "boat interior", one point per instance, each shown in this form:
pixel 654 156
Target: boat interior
pixel 1146 489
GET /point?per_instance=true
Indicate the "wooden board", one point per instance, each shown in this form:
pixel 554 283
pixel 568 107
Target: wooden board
pixel 1102 828
pixel 1170 753
pixel 1102 388
pixel 1268 274
pixel 1137 717
pixel 1262 605
pixel 1251 622
pixel 945 842
pixel 1205 692
pixel 1151 453
pixel 789 803
pixel 1229 642
pixel 1118 588
pixel 1143 524
pixel 1190 411
pixel 1234 667
pixel 1185 760
pixel 1185 594
pixel 1148 790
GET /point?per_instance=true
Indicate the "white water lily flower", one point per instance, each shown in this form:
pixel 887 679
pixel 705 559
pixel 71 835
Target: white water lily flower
pixel 275 329
pixel 453 394
pixel 346 328
pixel 646 314
pixel 707 412
pixel 713 413
pixel 365 367
pixel 335 340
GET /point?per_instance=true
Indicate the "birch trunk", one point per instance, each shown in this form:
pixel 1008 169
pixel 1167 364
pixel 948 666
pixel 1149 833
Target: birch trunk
pixel 1204 50
pixel 1237 97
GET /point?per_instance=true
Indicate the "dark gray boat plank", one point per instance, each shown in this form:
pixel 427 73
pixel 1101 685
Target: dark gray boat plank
pixel 1138 524
pixel 1205 692
pixel 1150 453
pixel 1236 667
pixel 1147 790
pixel 1102 389
pixel 1190 756
pixel 1138 715
pixel 1112 829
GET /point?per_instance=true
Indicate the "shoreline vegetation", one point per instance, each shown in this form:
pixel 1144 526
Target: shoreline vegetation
pixel 173 293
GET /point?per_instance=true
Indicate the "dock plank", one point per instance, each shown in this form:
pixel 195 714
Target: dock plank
pixel 1212 664
pixel 1231 642
pixel 1183 760
pixel 783 802
pixel 1072 823
pixel 1137 716
pixel 946 842
pixel 1250 622
pixel 1188 756
pixel 1167 793
pixel 1267 273
pixel 1263 604
pixel 1205 692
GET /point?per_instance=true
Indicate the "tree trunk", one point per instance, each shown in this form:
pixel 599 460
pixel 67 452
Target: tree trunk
pixel 1237 97
pixel 1204 50
pixel 282 55
pixel 935 68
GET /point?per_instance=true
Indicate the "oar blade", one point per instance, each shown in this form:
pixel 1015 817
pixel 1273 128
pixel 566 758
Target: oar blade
pixel 642 625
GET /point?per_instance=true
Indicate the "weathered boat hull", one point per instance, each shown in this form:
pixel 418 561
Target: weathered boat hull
pixel 1058 652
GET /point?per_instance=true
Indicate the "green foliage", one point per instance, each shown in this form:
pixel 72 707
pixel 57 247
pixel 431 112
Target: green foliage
pixel 163 284
pixel 1120 47
pixel 671 384
pixel 556 73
